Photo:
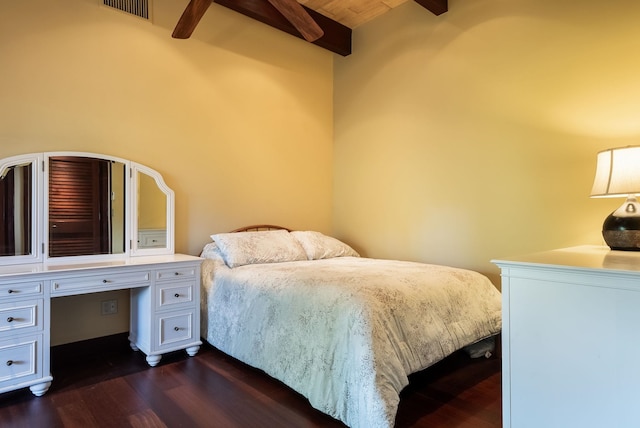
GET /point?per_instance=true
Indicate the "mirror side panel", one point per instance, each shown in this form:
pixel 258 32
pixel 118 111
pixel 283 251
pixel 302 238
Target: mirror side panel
pixel 153 202
pixel 21 209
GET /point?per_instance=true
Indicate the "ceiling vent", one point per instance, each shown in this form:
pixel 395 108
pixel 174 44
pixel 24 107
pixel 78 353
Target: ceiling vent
pixel 138 8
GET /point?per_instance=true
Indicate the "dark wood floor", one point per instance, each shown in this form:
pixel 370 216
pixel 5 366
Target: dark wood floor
pixel 102 383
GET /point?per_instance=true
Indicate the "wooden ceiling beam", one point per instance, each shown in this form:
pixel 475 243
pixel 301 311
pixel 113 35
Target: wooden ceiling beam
pixel 190 17
pixel 299 18
pixel 336 38
pixel 437 7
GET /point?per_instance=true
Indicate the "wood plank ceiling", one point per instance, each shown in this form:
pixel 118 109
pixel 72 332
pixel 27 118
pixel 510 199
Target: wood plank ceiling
pixel 336 18
pixel 354 13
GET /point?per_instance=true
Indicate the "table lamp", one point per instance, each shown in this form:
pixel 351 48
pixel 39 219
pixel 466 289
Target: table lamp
pixel 618 175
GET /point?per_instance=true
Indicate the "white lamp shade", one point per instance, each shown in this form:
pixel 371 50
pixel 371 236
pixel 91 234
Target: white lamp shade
pixel 617 172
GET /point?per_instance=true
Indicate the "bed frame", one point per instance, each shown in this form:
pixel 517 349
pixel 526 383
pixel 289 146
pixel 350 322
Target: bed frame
pixel 260 227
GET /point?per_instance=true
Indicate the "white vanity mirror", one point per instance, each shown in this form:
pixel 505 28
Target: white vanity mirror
pixel 60 205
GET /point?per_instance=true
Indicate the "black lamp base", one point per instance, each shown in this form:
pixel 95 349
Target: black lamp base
pixel 622 233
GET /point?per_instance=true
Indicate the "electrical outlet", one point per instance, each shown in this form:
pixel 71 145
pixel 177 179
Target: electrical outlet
pixel 109 307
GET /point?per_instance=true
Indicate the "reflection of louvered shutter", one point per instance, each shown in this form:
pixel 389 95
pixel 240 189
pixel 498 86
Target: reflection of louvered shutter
pixel 15 211
pixel 78 198
pixel 7 233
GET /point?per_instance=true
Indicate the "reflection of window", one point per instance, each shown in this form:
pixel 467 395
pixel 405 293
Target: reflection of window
pixel 79 206
pixel 15 211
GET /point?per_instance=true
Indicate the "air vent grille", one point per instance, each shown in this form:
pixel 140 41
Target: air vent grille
pixel 135 7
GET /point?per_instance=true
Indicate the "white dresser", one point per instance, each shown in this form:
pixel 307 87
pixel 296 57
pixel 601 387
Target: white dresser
pixel 76 223
pixel 571 354
pixel 165 311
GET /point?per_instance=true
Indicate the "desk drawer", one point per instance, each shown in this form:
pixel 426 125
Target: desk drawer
pixel 21 289
pixel 177 273
pixel 175 328
pixel 175 293
pixel 94 283
pixel 20 360
pixel 20 316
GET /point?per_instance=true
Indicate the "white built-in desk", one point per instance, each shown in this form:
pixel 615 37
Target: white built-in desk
pixel 165 314
pixel 570 348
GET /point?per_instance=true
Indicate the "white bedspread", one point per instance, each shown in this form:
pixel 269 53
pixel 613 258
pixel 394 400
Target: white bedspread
pixel 346 332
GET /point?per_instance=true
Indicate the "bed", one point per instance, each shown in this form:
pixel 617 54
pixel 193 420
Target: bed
pixel 344 331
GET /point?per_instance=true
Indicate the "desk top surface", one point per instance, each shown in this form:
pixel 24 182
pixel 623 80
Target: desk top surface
pixel 584 256
pixel 43 268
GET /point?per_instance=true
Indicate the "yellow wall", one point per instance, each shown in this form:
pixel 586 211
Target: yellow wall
pixel 473 135
pixel 238 119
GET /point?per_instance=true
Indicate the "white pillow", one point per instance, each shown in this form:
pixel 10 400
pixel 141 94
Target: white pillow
pixel 211 251
pixel 320 246
pixel 271 246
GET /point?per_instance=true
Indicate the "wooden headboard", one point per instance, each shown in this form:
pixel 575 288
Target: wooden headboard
pixel 260 227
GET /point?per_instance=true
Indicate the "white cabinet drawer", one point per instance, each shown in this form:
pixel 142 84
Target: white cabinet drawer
pixel 177 273
pixel 20 316
pixel 94 283
pixel 152 238
pixel 21 289
pixel 20 360
pixel 174 328
pixel 175 293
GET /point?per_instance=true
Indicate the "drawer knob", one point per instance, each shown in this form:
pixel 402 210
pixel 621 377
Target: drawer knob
pixel 10 291
pixel 177 273
pixel 176 295
pixel 10 362
pixel 10 319
pixel 176 328
pixel 104 281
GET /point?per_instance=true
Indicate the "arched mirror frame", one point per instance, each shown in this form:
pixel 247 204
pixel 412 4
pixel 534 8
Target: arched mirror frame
pixel 36 208
pixel 137 249
pixel 39 242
